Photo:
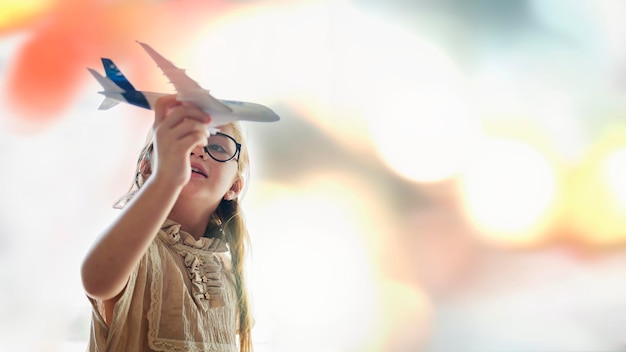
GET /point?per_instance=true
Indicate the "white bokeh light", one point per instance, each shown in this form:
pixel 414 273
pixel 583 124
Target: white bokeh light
pixel 420 116
pixel 316 278
pixel 509 191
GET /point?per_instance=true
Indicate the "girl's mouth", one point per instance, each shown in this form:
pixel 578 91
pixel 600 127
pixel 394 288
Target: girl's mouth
pixel 199 171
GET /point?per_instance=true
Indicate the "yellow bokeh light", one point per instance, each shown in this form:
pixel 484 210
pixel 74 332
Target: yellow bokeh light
pixel 615 173
pixel 510 192
pixel 14 13
pixel 596 201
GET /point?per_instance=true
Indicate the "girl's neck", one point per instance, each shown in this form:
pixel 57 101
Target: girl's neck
pixel 193 219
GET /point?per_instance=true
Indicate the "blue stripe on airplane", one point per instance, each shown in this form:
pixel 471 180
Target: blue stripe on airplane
pixel 131 95
pixel 137 98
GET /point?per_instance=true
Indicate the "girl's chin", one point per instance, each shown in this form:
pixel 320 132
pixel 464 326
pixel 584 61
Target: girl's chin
pixel 195 186
pixel 198 188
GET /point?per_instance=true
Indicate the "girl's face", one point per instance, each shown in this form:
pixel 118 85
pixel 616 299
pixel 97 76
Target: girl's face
pixel 211 180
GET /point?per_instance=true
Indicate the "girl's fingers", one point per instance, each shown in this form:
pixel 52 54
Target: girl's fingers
pixel 169 112
pixel 179 113
pixel 162 107
pixel 178 128
pixel 190 127
pixel 174 121
pixel 191 141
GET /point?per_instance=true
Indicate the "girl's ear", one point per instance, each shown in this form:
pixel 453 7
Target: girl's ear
pixel 234 190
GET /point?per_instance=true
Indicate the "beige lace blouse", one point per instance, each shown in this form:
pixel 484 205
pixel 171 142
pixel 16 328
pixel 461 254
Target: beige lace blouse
pixel 180 297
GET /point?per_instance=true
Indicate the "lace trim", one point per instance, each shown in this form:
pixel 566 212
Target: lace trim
pixel 212 292
pixel 173 235
pixel 204 267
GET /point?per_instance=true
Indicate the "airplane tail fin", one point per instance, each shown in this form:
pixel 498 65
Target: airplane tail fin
pixel 116 76
pixel 109 88
pixel 117 88
pixel 108 85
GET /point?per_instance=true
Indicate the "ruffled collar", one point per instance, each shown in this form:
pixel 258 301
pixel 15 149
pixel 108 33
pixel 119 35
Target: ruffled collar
pixel 172 234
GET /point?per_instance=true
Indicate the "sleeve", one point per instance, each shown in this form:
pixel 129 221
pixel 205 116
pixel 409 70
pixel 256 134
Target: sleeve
pixel 111 337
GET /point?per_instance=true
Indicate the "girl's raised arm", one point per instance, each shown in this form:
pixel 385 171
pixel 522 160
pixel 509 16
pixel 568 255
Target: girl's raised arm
pixel 111 259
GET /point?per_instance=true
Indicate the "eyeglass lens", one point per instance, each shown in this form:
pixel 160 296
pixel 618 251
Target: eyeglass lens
pixel 221 147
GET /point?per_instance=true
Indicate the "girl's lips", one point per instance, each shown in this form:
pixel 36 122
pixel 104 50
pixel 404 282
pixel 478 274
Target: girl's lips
pixel 198 169
pixel 196 174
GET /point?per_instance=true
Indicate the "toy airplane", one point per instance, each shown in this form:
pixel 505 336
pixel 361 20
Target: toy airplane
pixel 117 89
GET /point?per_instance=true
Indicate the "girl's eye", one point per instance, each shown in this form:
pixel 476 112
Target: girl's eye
pixel 216 148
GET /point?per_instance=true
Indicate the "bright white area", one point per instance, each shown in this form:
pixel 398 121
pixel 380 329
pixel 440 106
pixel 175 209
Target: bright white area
pixel 322 274
pixel 508 190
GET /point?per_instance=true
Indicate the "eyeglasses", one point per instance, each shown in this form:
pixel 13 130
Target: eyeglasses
pixel 222 147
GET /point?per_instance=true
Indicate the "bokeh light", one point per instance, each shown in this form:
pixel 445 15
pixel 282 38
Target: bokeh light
pixel 331 291
pixel 446 176
pixel 420 116
pixel 17 14
pixel 596 203
pixel 509 190
pixel 615 172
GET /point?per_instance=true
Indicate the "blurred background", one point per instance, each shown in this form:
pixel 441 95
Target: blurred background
pixel 448 175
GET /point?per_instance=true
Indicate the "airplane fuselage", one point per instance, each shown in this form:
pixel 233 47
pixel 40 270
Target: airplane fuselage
pixel 118 89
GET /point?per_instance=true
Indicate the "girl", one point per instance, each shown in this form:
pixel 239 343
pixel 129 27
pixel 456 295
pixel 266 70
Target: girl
pixel 167 275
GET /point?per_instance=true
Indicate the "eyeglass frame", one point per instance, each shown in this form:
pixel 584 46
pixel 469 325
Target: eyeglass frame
pixel 237 149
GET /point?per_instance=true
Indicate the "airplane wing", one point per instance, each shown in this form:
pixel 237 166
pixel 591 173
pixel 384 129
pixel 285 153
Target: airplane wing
pixel 187 88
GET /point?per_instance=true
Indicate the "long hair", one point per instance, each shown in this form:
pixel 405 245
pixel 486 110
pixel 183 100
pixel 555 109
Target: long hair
pixel 228 215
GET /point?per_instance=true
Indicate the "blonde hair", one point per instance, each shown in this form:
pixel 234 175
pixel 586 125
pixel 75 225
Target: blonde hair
pixel 229 216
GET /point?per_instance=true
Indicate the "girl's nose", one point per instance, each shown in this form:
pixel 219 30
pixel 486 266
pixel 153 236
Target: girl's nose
pixel 199 151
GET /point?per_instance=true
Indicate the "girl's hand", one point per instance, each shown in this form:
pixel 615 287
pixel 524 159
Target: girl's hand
pixel 178 129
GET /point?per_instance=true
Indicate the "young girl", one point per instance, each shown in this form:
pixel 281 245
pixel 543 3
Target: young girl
pixel 167 275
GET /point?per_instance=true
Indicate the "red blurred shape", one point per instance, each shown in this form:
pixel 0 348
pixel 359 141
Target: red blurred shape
pixel 50 67
pixel 45 77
